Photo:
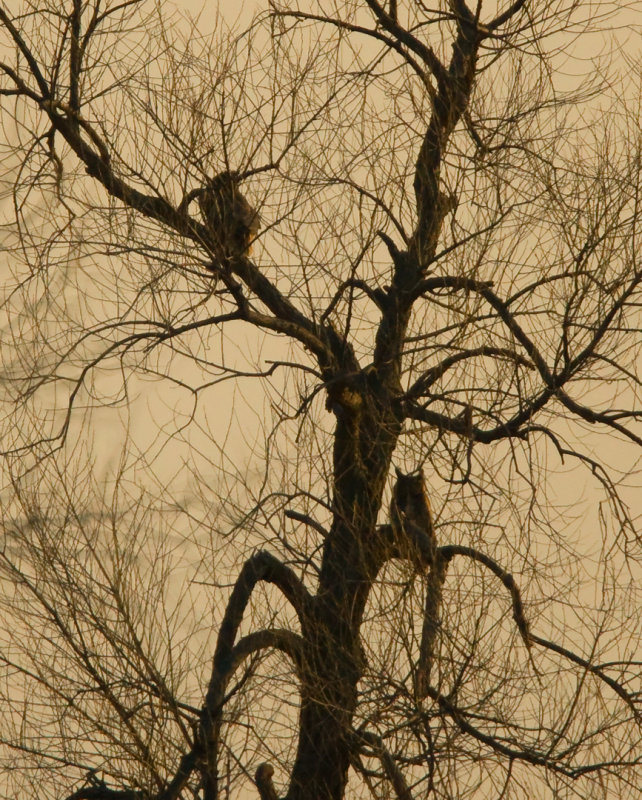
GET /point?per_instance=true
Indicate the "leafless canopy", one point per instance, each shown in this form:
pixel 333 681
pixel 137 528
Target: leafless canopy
pixel 203 592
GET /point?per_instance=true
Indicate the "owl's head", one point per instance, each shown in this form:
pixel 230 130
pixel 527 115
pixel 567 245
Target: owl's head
pixel 409 484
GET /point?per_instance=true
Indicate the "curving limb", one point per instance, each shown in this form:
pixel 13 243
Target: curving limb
pixel 272 638
pixel 505 16
pixel 392 771
pixel 483 288
pixel 517 426
pixel 419 550
pixel 599 673
pixel 498 745
pixel 524 628
pixel 450 550
pixel 306 519
pixel 262 566
pixel 422 385
pixel 554 382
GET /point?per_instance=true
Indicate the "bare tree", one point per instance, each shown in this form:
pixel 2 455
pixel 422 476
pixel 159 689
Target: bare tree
pixel 410 234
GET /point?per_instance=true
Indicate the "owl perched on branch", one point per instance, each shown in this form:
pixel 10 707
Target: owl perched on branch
pixel 411 518
pixel 231 220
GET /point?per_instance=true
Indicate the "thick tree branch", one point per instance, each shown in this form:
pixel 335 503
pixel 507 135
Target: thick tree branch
pixel 426 53
pixel 105 793
pixel 595 670
pixel 392 771
pixel 307 520
pixel 425 381
pixel 505 16
pixel 450 550
pixel 459 425
pixel 75 56
pixel 454 89
pixel 553 382
pixel 261 567
pixel 528 755
pixel 389 41
pixel 483 289
pixel 450 103
pixel 418 549
pixel 43 86
pixel 431 621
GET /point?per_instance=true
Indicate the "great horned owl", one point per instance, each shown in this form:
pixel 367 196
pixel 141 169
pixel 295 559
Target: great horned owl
pixel 231 220
pixel 411 518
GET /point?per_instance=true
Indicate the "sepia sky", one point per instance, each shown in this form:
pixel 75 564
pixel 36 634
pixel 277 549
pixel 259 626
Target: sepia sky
pixel 234 418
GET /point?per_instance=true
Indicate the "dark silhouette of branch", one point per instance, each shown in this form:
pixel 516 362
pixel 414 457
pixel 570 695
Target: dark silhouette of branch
pixel 390 767
pixel 307 520
pixel 261 567
pixel 595 670
pixel 450 550
pixel 529 756
pixel 105 793
pixel 431 622
pixel 425 381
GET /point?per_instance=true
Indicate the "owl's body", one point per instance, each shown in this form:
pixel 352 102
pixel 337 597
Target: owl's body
pixel 231 220
pixel 411 518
